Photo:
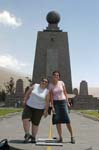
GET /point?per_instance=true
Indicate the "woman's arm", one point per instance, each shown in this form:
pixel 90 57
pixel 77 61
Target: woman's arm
pixel 51 98
pixel 65 92
pixel 26 96
pixel 47 105
pixel 51 101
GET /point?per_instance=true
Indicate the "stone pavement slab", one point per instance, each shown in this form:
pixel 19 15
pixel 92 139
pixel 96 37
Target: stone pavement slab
pixel 86 133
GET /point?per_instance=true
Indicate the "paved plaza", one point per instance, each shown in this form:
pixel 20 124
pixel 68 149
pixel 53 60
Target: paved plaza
pixel 86 133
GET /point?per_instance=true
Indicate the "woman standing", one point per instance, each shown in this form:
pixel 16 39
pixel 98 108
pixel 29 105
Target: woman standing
pixel 36 102
pixel 60 105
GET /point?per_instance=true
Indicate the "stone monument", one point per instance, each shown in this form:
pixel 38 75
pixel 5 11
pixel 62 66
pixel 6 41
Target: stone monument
pixel 75 91
pixel 83 100
pixel 19 93
pixel 83 88
pixel 52 52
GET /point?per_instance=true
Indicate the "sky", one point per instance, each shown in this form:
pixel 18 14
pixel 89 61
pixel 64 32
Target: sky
pixel 20 20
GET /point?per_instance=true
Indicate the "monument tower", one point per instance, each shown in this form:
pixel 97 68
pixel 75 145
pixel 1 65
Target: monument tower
pixel 52 52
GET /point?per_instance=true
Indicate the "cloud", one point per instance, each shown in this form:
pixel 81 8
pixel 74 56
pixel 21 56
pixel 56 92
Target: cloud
pixel 8 19
pixel 9 62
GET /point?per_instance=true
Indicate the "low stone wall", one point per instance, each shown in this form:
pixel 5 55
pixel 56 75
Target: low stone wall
pixel 85 102
pixel 10 101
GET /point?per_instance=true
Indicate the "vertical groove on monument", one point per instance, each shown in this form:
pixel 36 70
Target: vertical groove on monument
pixel 52 52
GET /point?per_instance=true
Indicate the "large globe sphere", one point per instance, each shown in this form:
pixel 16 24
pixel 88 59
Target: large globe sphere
pixel 53 17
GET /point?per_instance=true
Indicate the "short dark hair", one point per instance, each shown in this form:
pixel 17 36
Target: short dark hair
pixel 56 71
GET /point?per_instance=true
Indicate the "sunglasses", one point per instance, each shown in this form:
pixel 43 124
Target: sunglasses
pixel 44 81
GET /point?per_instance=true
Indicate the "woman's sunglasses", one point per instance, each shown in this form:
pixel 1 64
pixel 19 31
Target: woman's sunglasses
pixel 44 81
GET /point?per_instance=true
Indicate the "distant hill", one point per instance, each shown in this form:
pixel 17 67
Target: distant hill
pixel 94 91
pixel 5 75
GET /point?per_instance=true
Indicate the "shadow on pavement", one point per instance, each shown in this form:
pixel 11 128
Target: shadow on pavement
pixel 16 141
pixel 90 148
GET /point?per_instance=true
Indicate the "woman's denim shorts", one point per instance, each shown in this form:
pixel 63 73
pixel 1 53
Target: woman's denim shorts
pixel 61 112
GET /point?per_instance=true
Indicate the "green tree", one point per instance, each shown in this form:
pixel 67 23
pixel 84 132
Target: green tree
pixel 3 95
pixel 29 80
pixel 10 86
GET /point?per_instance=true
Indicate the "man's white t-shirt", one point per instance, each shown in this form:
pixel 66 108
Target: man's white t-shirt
pixel 37 98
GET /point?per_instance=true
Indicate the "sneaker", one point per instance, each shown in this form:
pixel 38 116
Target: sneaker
pixel 33 140
pixel 72 140
pixel 27 137
pixel 60 140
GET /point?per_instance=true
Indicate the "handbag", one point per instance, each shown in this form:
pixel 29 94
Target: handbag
pixel 49 110
pixel 4 144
